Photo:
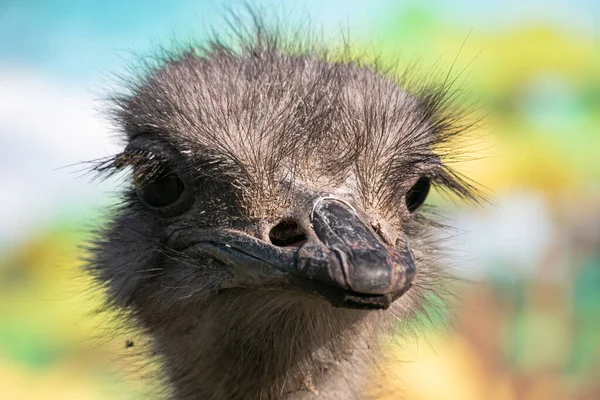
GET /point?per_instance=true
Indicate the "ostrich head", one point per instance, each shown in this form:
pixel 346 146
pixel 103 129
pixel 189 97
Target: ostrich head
pixel 274 213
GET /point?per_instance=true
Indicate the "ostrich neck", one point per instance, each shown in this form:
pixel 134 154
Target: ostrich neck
pixel 268 347
pixel 345 379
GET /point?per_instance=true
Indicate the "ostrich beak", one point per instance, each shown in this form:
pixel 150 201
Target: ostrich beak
pixel 343 259
pixel 346 261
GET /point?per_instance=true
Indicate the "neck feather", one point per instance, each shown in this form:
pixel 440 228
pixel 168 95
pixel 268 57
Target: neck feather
pixel 267 344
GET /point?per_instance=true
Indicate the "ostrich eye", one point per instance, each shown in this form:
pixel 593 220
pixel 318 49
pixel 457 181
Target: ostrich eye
pixel 417 194
pixel 163 189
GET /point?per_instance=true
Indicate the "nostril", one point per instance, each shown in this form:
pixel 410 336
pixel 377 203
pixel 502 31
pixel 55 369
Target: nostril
pixel 287 233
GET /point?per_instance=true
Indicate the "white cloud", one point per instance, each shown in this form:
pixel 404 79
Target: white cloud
pixel 44 127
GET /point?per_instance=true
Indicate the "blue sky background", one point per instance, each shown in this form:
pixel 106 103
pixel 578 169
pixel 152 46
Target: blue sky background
pixel 79 40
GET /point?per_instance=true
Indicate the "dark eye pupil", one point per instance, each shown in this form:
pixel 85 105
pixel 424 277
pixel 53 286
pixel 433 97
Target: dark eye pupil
pixel 161 191
pixel 416 196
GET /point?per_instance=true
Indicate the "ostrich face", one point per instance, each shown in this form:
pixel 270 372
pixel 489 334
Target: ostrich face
pixel 314 238
pixel 270 171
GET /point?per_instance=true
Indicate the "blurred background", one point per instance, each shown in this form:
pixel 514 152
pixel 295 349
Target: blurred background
pixel 527 325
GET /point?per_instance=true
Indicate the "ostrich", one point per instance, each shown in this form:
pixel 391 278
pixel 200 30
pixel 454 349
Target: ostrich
pixel 273 227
